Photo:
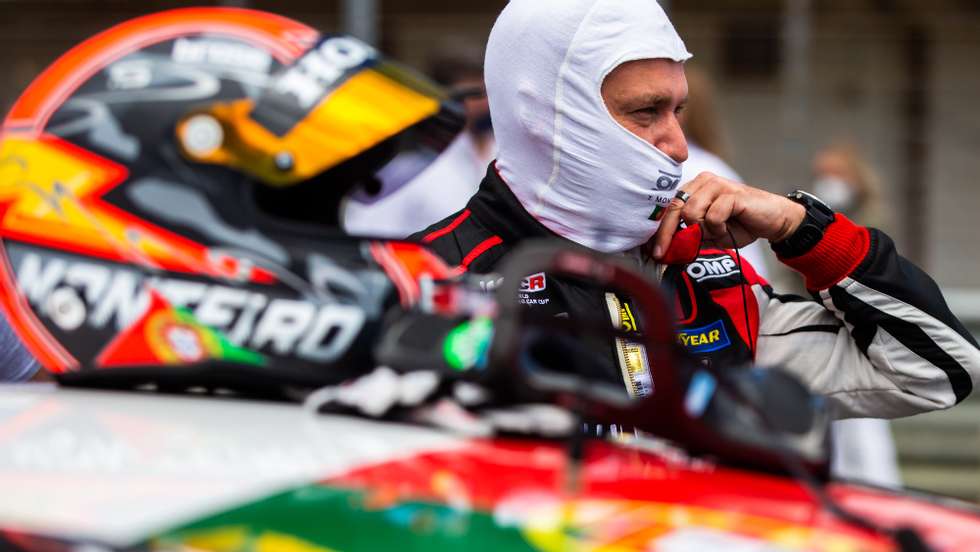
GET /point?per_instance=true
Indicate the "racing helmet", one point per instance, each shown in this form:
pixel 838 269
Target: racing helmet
pixel 170 191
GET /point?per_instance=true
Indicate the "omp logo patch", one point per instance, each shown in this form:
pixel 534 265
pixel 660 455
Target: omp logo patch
pixel 667 181
pixel 706 338
pixel 534 283
pixel 709 268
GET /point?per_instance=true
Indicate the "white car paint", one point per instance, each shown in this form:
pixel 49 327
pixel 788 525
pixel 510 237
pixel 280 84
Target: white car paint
pixel 117 467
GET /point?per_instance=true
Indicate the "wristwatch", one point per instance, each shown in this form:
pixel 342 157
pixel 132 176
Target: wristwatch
pixel 818 217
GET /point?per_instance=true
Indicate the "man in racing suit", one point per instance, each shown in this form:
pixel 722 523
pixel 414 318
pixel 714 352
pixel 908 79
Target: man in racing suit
pixel 584 96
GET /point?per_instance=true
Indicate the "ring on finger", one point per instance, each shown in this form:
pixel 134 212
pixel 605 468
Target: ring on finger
pixel 682 195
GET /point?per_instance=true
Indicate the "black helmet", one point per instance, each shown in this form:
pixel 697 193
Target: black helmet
pixel 170 188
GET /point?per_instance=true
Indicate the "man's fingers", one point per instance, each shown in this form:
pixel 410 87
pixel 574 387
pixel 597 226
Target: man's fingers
pixel 717 216
pixel 730 214
pixel 697 206
pixel 700 180
pixel 668 226
pixel 677 210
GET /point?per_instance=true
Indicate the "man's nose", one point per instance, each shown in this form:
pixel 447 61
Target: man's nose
pixel 673 143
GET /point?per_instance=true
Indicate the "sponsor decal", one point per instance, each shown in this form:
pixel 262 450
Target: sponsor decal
pixel 508 509
pixel 660 209
pixel 64 208
pixel 221 53
pixel 534 283
pixel 490 284
pixel 658 213
pixel 71 293
pixel 631 355
pixel 627 322
pixel 709 268
pixel 667 181
pixel 185 341
pixel 322 69
pixel 526 299
pixel 705 339
pixel 171 337
pixel 130 75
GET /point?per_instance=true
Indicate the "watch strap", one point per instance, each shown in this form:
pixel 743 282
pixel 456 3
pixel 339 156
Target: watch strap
pixel 816 219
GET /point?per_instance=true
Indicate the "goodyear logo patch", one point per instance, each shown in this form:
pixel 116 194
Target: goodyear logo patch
pixel 706 338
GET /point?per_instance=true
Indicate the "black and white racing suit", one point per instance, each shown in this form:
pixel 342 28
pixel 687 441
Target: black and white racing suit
pixel 876 337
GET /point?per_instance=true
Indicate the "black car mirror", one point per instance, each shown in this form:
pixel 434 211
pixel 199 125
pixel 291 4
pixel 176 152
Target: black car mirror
pixel 757 417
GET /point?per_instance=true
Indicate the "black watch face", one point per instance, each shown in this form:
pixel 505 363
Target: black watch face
pixel 816 201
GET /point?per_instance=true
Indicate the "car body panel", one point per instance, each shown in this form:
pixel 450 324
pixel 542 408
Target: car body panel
pixel 116 467
pixel 166 472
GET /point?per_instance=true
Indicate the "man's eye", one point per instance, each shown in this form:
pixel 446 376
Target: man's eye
pixel 679 109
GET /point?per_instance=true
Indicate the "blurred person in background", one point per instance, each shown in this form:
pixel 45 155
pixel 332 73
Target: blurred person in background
pixel 848 183
pixel 863 447
pixel 445 186
pixel 707 147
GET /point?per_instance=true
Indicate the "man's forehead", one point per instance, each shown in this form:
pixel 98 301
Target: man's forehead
pixel 659 77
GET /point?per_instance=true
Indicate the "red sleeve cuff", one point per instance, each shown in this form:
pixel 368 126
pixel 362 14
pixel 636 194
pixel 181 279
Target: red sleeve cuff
pixel 843 247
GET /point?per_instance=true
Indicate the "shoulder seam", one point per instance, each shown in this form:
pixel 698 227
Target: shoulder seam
pixel 436 234
pixel 477 252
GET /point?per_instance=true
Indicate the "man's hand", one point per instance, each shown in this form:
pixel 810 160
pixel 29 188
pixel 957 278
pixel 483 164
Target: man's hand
pixel 727 210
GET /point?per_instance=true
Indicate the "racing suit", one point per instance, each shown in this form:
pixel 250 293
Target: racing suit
pixel 876 338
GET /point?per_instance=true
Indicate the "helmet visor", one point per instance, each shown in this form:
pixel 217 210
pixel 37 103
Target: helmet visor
pixel 336 102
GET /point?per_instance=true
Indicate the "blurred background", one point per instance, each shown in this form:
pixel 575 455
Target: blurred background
pixel 872 102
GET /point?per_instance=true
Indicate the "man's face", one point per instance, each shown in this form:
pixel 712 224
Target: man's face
pixel 646 96
pixel 833 164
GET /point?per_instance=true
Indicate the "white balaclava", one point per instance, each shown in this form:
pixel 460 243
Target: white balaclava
pixel 570 164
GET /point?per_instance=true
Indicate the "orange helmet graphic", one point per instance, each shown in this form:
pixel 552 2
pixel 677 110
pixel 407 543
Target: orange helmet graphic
pixel 170 189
